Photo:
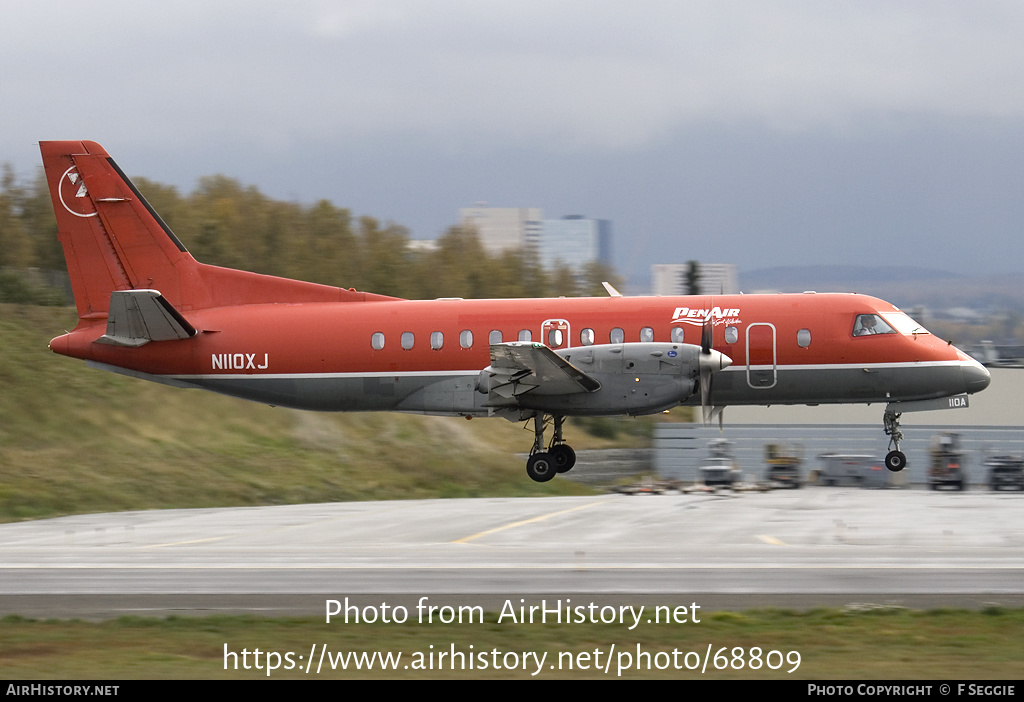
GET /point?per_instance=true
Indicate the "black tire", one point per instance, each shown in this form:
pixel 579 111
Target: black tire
pixel 541 467
pixel 895 461
pixel 564 457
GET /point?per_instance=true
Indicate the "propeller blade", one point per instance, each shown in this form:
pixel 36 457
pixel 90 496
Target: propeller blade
pixel 710 363
pixel 705 393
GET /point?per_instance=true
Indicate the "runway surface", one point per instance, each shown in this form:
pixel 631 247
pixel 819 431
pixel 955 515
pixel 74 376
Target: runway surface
pixel 798 548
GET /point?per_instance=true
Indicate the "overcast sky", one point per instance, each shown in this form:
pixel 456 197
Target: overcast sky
pixel 758 133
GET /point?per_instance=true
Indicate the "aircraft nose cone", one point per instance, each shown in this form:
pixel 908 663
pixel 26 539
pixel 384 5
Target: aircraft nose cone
pixel 976 376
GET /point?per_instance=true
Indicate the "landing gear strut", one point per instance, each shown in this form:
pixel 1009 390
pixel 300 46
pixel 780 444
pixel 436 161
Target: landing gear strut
pixel 559 458
pixel 895 460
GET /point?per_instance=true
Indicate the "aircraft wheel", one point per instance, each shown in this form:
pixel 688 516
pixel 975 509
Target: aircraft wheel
pixel 541 467
pixel 896 461
pixel 564 457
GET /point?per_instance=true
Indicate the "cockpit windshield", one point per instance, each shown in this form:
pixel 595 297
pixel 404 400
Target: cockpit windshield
pixel 886 323
pixel 903 324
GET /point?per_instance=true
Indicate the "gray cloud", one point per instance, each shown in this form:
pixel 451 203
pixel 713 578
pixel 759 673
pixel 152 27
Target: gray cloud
pixel 744 119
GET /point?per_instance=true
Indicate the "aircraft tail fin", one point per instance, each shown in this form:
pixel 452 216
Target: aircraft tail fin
pixel 114 240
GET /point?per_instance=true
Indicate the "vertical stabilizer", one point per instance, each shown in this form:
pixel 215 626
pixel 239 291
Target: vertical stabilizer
pixel 112 238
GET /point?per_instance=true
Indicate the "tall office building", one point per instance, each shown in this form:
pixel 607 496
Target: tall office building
pixel 712 278
pixel 503 228
pixel 575 241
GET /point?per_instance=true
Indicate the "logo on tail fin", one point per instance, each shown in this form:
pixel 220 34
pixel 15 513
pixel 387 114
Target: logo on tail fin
pixel 72 189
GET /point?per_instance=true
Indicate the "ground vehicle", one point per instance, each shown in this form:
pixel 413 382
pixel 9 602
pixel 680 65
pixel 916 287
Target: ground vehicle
pixel 946 464
pixel 783 464
pixel 1005 471
pixel 719 468
pixel 860 470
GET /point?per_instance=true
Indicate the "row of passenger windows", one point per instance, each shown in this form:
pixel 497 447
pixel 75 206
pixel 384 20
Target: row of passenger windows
pixel 556 338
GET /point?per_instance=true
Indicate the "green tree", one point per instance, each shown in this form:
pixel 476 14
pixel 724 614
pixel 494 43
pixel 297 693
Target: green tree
pixel 15 246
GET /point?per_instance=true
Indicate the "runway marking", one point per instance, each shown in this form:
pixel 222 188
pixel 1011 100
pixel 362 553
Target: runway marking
pixel 771 540
pixel 531 520
pixel 185 543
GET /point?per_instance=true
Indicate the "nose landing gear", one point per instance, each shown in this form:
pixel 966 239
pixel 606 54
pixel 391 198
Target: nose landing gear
pixel 559 458
pixel 895 460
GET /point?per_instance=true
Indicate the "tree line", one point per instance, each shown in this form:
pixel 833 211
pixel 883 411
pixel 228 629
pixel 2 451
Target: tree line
pixel 225 223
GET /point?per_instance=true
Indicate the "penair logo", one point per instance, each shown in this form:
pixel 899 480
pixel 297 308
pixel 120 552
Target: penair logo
pixel 694 316
pixel 73 194
pixel 239 361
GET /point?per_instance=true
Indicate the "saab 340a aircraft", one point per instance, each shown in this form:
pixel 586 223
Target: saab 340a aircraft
pixel 148 309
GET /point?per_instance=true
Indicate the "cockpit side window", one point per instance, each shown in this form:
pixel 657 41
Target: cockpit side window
pixel 871 324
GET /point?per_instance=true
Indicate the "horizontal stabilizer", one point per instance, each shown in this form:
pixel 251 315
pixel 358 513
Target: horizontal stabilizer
pixel 521 366
pixel 137 317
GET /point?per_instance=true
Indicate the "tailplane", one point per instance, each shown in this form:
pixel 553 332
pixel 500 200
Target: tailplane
pixel 114 241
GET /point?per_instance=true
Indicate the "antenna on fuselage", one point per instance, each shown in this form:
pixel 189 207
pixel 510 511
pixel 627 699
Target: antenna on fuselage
pixel 612 292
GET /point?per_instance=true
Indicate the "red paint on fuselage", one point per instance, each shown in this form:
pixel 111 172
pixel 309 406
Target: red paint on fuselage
pixel 319 337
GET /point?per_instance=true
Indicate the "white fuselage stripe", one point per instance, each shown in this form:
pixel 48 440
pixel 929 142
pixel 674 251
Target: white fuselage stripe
pixel 452 373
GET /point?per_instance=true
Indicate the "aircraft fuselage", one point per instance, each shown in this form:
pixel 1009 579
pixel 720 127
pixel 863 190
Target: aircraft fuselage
pixel 426 356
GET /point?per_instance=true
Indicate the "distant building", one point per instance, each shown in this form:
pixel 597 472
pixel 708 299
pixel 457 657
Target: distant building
pixel 575 241
pixel 713 278
pixel 503 228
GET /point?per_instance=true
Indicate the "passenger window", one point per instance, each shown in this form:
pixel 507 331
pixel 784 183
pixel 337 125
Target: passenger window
pixel 803 338
pixel 436 340
pixel 408 340
pixel 587 337
pixel 678 335
pixel 732 335
pixel 525 335
pixel 616 336
pixel 494 337
pixel 870 324
pixel 377 341
pixel 647 335
pixel 466 339
pixel 554 338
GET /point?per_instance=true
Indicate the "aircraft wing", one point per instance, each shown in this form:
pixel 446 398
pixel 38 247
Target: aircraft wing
pixel 520 367
pixel 137 317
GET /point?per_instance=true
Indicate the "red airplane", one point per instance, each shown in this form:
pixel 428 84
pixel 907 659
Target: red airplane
pixel 148 309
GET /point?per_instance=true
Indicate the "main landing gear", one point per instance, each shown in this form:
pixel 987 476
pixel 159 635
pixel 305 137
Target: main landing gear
pixel 895 460
pixel 543 465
